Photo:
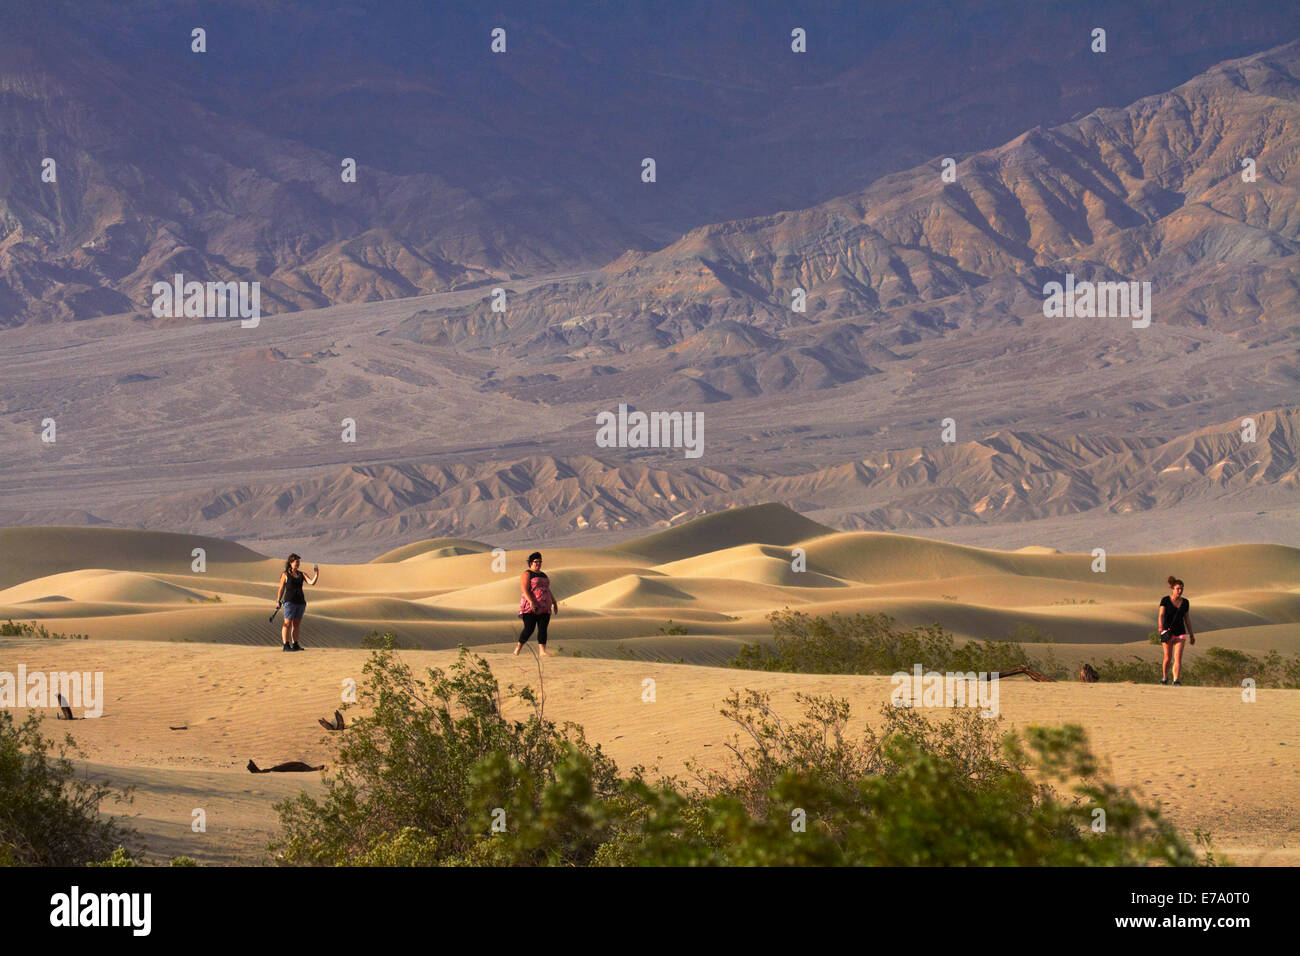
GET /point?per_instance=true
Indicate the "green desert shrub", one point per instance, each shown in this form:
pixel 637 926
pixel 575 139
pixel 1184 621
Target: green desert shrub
pixel 120 857
pixel 820 744
pixel 49 816
pixel 1213 667
pixel 1025 633
pixel 915 792
pixel 424 778
pixel 31 629
pixel 1224 667
pixel 869 644
pixel 420 778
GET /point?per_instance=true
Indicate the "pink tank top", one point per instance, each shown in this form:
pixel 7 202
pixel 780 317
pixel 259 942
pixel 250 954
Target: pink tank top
pixel 540 585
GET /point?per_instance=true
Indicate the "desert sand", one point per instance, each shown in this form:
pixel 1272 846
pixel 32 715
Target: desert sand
pixel 184 649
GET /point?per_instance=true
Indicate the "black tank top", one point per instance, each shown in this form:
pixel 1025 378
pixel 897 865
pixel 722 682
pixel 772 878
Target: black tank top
pixel 1175 617
pixel 293 589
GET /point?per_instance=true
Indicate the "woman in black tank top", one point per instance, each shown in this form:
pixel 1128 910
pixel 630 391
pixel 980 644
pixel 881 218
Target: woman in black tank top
pixel 294 602
pixel 1174 622
pixel 293 587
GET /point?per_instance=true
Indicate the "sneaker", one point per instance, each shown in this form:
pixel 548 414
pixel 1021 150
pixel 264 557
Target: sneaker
pixel 1164 680
pixel 285 647
pixel 1178 683
pixel 295 646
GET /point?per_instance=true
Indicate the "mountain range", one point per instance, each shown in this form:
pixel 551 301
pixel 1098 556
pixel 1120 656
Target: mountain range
pixel 1154 191
pixel 474 168
pixel 924 292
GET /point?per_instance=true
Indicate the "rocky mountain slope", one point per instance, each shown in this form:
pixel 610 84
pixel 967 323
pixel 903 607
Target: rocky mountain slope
pixel 225 165
pixel 1151 192
pixel 1010 475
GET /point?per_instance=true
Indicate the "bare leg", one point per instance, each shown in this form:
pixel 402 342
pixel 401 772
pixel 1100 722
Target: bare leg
pixel 1164 664
pixel 518 647
pixel 1178 659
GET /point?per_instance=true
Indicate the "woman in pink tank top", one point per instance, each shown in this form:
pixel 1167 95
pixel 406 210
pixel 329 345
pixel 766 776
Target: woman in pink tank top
pixel 536 604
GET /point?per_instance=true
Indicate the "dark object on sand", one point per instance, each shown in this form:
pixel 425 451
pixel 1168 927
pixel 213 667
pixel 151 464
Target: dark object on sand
pixel 1088 674
pixel 169 727
pixel 293 766
pixel 1033 674
pixel 335 724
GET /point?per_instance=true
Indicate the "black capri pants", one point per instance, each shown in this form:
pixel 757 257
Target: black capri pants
pixel 538 621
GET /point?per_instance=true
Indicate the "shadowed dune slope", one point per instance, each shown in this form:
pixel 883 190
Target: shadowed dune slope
pixel 752 562
pixel 756 524
pixel 26 553
pixel 873 557
pixel 432 547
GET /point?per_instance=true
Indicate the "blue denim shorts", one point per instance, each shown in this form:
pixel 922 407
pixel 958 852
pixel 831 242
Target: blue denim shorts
pixel 293 612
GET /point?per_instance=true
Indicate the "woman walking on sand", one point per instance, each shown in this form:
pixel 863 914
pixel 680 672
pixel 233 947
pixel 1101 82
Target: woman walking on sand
pixel 536 605
pixel 294 602
pixel 1174 623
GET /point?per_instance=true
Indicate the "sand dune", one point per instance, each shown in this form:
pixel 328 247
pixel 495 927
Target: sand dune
pixel 99 585
pixel 876 557
pixel 503 592
pixel 1259 639
pixel 27 553
pixel 763 524
pixel 761 564
pixel 434 548
pixel 718 576
pixel 635 591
